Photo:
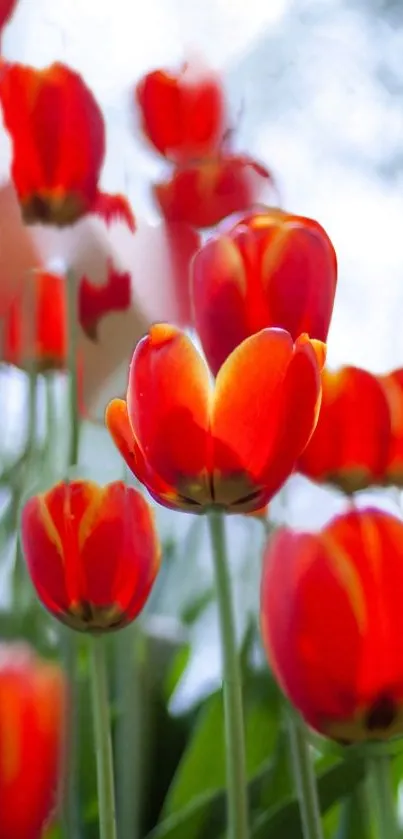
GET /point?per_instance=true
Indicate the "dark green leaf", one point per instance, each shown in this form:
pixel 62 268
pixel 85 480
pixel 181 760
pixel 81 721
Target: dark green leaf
pixel 284 819
pixel 353 816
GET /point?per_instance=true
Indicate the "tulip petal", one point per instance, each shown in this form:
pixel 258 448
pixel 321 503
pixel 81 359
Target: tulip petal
pixel 219 292
pixel 119 524
pixel 245 413
pixel 168 406
pixel 313 642
pixel 351 440
pixel 43 550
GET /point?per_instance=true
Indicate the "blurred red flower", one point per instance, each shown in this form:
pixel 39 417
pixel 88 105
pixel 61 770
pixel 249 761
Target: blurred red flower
pixel 92 553
pixel 392 384
pixel 35 326
pixel 183 113
pixel 33 704
pixel 7 8
pixel 350 445
pixel 332 623
pixel 203 192
pixel 263 268
pixel 231 446
pixel 58 138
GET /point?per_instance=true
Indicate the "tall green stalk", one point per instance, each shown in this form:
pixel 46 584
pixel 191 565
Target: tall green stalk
pixel 103 740
pixel 69 645
pixel 237 801
pixel 305 780
pixel 382 795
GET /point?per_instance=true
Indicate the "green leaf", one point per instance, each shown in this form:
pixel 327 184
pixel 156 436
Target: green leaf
pixel 176 671
pixel 183 824
pixel 353 815
pixel 284 819
pixel 202 770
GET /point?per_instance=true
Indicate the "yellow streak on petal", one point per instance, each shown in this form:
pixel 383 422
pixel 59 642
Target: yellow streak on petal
pixel 348 576
pixel 50 527
pixel 96 497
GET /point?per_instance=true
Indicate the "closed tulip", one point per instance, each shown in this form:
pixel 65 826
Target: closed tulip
pixel 92 553
pixel 261 269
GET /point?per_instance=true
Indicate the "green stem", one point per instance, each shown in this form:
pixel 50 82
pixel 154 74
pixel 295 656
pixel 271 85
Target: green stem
pixel 237 800
pixel 71 803
pixel 72 320
pixel 103 740
pixel 129 731
pixel 305 780
pixel 383 798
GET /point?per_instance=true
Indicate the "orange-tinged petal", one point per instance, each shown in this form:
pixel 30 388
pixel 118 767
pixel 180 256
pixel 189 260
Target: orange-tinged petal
pixel 106 547
pixel 33 699
pixel 310 632
pixel 118 424
pixel 168 407
pixel 121 521
pixel 338 655
pixel 44 552
pixel 244 413
pixel 265 409
pixel 350 445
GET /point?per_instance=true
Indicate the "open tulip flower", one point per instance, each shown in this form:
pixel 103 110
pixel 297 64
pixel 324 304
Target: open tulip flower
pixel 183 113
pixel 332 623
pixel 203 192
pixel 263 268
pixel 350 445
pixel 230 445
pixel 392 384
pixel 92 553
pixel 58 138
pixel 33 699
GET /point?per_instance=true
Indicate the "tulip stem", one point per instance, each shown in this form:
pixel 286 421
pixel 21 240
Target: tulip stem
pixel 383 798
pixel 72 321
pixel 103 740
pixel 237 801
pixel 305 779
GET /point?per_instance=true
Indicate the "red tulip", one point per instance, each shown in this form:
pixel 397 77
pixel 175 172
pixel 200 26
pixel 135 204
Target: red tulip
pixel 183 113
pixel 392 384
pixel 92 553
pixel 263 268
pixel 7 8
pixel 35 327
pixel 231 446
pixel 332 623
pixel 58 138
pixel 203 192
pixel 33 706
pixel 349 447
